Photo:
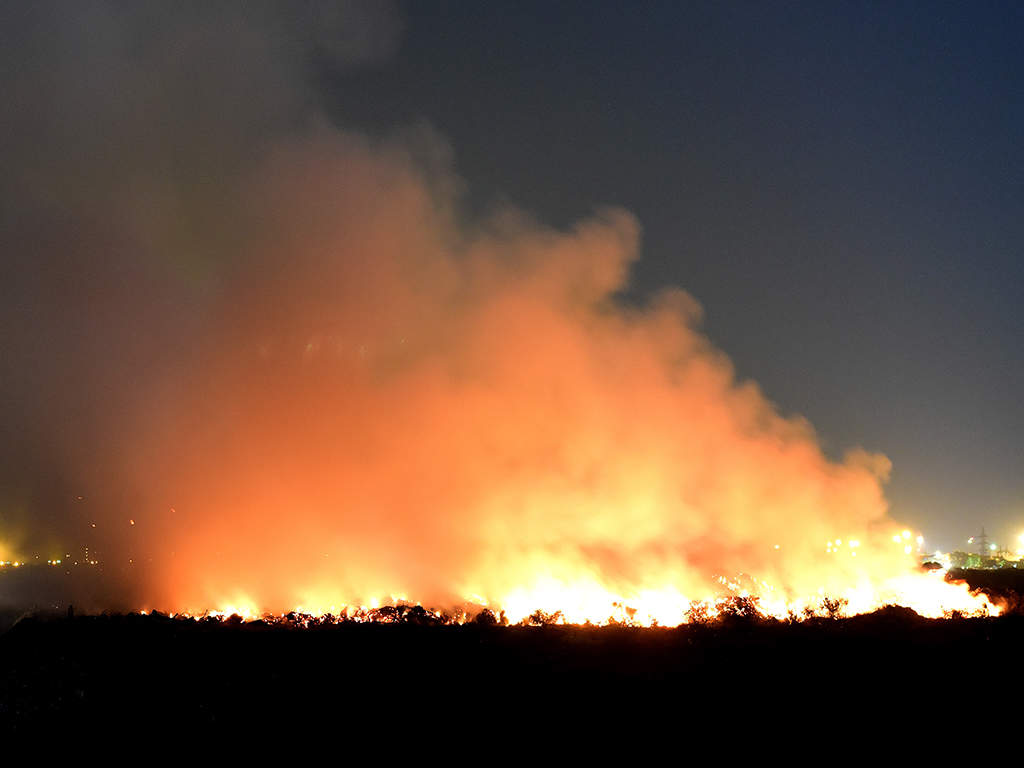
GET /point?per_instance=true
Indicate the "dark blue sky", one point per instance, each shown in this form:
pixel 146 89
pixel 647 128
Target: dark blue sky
pixel 840 185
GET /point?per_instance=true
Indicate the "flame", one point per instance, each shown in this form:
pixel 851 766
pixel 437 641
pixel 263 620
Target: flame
pixel 312 381
pixel 552 600
pixel 384 403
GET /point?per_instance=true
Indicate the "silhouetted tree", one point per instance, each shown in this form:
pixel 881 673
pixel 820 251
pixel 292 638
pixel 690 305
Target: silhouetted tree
pixel 486 618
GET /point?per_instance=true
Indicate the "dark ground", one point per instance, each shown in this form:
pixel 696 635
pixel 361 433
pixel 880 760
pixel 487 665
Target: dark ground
pixel 118 672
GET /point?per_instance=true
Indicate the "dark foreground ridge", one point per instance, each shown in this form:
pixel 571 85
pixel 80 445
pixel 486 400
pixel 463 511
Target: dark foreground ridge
pixel 115 671
pixel 131 673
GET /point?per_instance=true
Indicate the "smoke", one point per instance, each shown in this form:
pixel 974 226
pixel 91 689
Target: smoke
pixel 276 361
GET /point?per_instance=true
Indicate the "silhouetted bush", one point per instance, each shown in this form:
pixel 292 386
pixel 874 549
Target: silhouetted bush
pixel 541 619
pixel 698 614
pixel 486 618
pixel 833 607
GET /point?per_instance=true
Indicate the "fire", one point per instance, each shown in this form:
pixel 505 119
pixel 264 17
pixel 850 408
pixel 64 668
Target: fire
pixel 587 601
pixel 284 368
pixel 588 604
pixel 386 401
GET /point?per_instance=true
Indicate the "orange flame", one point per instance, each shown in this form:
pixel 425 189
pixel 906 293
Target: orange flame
pixel 388 403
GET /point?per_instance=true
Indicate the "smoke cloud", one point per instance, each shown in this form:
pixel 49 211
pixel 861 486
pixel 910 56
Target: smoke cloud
pixel 274 360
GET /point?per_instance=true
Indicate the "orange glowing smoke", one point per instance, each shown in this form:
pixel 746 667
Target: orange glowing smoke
pixel 389 403
pixel 264 365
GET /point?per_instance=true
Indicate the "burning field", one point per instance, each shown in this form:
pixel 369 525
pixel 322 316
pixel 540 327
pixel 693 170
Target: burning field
pixel 308 376
pixel 269 373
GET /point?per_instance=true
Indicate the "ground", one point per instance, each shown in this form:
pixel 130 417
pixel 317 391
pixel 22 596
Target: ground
pixel 205 676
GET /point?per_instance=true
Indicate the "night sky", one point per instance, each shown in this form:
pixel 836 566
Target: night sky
pixel 840 185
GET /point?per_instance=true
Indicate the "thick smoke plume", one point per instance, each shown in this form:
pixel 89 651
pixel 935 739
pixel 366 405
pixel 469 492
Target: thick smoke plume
pixel 286 354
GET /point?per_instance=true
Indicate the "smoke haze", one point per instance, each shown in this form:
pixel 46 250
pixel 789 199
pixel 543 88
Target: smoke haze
pixel 274 360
